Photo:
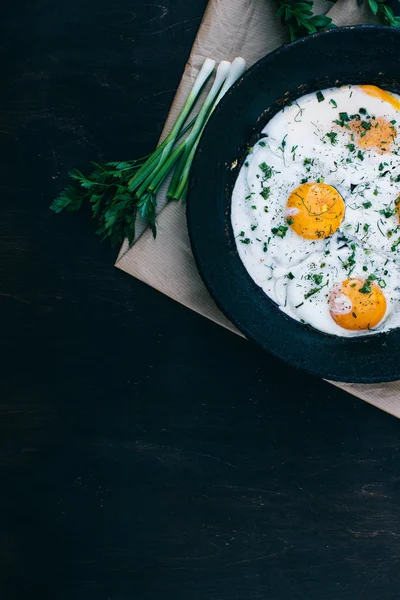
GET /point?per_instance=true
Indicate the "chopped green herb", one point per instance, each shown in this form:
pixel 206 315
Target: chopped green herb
pixel 394 247
pixel 387 212
pixel 367 204
pixel 375 191
pixel 343 116
pixel 283 145
pixel 241 233
pixel 351 147
pixel 246 241
pixel 267 170
pixel 382 283
pixel 318 278
pixel 366 288
pixel 314 291
pixel 365 268
pixel 290 221
pixel 308 161
pixel 332 135
pixel 262 144
pixel 280 231
pixel 366 227
pixel 253 227
pixel 334 104
pixel 362 111
pixel 366 125
pixel 360 155
pixel 290 275
pixel 393 122
pixel 265 193
pixel 320 97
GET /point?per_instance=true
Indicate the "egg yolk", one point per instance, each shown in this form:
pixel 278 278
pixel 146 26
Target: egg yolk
pixel 375 92
pixel 315 210
pixel 380 134
pixel 354 309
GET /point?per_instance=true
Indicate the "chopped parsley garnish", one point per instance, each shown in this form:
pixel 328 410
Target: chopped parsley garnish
pixel 246 241
pixel 343 116
pixel 366 288
pixel 333 102
pixel 360 155
pixel 351 147
pixel 367 204
pixel 362 111
pixel 317 278
pixel 280 231
pixel 290 221
pixel 308 161
pixel 253 227
pixel 387 212
pixel 262 144
pixel 366 125
pixel 267 170
pixel 366 227
pixel 265 193
pixel 382 283
pixel 320 97
pixel 393 122
pixel 394 247
pixel 332 135
pixel 290 275
pixel 266 244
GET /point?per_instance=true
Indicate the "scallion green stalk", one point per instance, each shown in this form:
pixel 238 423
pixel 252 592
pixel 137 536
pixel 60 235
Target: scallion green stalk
pixel 179 184
pixel 158 157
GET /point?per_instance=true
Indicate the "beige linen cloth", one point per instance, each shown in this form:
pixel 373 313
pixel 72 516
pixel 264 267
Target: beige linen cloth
pixel 230 28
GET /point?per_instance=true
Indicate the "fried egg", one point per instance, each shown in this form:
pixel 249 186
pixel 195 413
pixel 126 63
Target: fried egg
pixel 316 210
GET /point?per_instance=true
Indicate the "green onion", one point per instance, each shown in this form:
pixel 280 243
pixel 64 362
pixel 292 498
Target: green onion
pixel 156 161
pixel 227 75
pixel 120 191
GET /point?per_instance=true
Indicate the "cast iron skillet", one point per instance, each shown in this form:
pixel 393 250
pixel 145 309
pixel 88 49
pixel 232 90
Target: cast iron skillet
pixel 350 55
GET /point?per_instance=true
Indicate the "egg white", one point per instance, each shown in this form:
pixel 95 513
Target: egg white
pixel 297 149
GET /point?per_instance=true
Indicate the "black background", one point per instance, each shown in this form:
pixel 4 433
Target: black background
pixel 144 451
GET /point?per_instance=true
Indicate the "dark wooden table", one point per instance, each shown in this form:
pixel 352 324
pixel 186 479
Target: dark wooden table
pixel 145 453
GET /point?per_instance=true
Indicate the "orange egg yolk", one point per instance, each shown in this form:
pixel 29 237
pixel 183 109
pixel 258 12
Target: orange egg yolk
pixel 354 309
pixel 380 135
pixel 315 210
pixel 375 92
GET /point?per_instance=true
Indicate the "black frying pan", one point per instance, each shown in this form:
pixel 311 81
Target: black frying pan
pixel 350 55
